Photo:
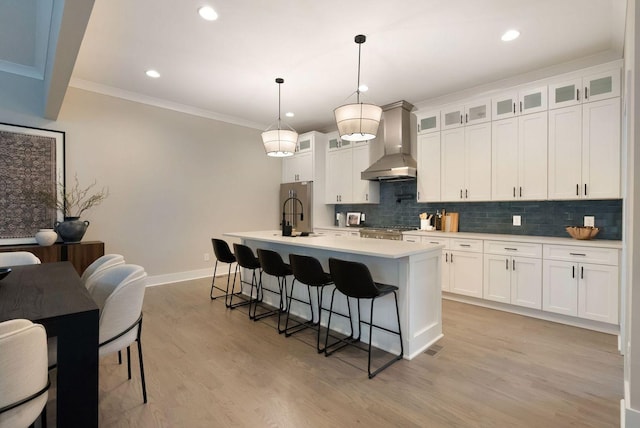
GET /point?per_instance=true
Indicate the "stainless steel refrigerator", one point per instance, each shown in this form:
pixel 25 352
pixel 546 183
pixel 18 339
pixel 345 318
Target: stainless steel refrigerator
pixel 296 201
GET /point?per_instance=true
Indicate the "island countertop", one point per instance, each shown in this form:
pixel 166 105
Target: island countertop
pixel 415 268
pixel 352 245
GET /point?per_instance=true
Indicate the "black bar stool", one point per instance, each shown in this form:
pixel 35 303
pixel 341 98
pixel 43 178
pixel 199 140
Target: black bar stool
pixel 246 259
pixel 307 270
pixel 223 255
pixel 272 264
pixel 354 280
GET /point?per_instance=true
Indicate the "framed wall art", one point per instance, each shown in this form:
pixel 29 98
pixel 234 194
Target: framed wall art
pixel 31 162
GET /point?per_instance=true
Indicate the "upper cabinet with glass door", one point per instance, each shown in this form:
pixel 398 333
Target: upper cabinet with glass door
pixel 477 111
pixel 428 121
pixel 515 103
pixel 584 89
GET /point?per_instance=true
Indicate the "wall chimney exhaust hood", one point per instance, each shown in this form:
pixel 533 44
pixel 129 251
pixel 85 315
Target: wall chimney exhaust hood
pixel 397 163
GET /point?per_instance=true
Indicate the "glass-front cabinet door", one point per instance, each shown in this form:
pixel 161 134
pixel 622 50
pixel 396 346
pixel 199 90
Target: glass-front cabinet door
pixel 477 112
pixel 601 86
pixel 428 122
pixel 532 100
pixel 452 117
pixel 504 105
pixel 565 94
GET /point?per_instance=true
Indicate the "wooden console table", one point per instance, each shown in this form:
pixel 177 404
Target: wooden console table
pixel 80 254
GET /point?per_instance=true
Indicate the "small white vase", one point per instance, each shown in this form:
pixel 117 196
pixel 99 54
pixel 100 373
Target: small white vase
pixel 46 237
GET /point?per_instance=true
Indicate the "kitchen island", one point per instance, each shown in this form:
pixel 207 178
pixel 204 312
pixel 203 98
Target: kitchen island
pixel 413 267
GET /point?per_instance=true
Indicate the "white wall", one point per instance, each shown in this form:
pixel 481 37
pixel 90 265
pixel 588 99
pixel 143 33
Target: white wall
pixel 631 337
pixel 176 180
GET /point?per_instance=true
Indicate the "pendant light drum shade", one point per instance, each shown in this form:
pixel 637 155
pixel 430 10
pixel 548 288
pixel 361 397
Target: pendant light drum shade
pixel 280 142
pixel 358 122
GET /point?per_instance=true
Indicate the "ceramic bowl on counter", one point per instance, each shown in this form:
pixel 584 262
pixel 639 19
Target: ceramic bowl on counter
pixel 582 232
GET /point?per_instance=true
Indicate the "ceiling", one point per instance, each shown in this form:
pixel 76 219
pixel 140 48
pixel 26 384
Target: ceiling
pixel 416 50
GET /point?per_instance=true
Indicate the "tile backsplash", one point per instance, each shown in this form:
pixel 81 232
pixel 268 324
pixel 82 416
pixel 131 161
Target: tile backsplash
pixel 398 206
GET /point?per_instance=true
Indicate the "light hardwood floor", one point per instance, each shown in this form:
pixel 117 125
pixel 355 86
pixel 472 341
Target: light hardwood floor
pixel 208 366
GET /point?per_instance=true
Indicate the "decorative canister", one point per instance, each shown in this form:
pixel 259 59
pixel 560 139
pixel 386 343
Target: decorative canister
pixel 71 229
pixel 46 237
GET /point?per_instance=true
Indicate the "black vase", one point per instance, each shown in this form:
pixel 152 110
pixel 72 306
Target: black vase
pixel 71 229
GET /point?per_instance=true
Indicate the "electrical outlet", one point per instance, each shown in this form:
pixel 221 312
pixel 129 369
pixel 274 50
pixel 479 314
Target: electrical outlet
pixel 362 217
pixel 517 220
pixel 206 257
pixel 589 221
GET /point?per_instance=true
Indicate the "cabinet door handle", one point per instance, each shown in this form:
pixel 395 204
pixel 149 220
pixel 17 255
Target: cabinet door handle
pixel 585 189
pixel 451 257
pixel 577 190
pixel 510 249
pixel 577 254
pixel 446 257
pixel 573 271
pixel 581 272
pixel 520 106
pixel 461 119
pixel 520 191
pixel 418 195
pixel 577 94
pixel 466 193
pixel 466 245
pixel 506 263
pixel 514 191
pixel 514 108
pixel 466 118
pixel 514 264
pixel 460 193
pixel 433 242
pixel 366 196
pixel 586 93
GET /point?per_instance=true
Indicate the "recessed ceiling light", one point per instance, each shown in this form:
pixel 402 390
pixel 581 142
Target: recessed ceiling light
pixel 153 73
pixel 207 12
pixel 363 88
pixel 510 35
pixel 289 114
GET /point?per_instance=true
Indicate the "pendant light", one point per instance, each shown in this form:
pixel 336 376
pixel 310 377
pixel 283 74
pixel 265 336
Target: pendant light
pixel 279 142
pixel 359 121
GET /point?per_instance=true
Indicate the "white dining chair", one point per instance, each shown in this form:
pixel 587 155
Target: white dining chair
pixel 119 294
pixel 18 258
pixel 99 265
pixel 24 381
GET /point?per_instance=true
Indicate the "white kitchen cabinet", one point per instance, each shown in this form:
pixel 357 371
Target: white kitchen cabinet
pixel 446 254
pixel 364 191
pixel 584 151
pixel 519 102
pixel 345 162
pixel 512 277
pixel 339 178
pixel 583 89
pixel 428 180
pixel 428 121
pixel 301 166
pixel 461 270
pixel 464 260
pixel 469 113
pixel 466 163
pixel 581 281
pixel 519 158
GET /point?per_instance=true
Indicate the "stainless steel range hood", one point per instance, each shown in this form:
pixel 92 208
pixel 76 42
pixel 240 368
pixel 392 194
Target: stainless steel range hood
pixel 397 163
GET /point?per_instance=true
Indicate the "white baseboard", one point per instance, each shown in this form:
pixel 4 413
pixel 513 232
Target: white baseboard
pixel 168 278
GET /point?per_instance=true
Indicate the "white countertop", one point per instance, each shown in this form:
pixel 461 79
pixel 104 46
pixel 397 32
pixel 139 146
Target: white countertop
pixel 602 243
pixel 353 245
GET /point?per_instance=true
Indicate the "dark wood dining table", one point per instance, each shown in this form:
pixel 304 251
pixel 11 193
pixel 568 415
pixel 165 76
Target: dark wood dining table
pixel 53 295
